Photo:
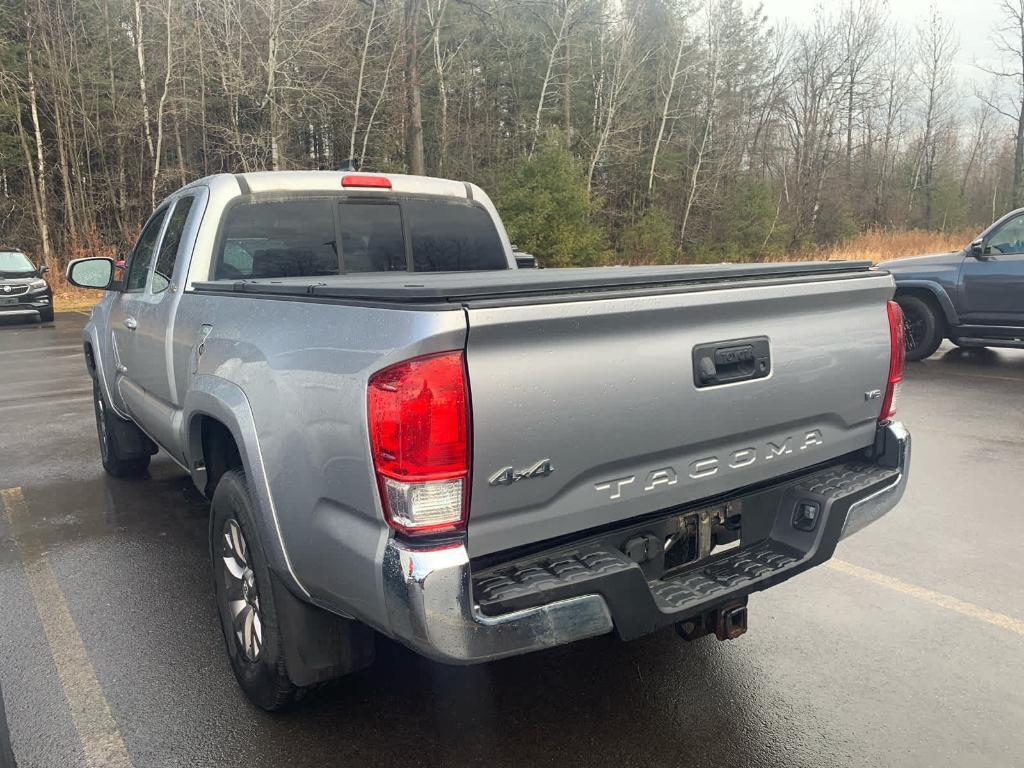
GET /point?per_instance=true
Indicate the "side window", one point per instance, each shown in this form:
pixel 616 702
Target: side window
pixel 1009 238
pixel 142 256
pixel 168 254
pixel 278 238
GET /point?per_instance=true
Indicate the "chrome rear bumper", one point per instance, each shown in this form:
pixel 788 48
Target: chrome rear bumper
pixel 895 453
pixel 431 606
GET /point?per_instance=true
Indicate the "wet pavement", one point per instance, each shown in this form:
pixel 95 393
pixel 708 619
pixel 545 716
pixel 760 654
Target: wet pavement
pixel 907 650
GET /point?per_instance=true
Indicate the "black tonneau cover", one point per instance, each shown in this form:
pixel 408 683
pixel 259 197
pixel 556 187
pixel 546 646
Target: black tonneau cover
pixel 429 287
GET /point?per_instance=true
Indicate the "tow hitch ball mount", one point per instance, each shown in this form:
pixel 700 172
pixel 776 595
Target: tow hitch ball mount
pixel 727 622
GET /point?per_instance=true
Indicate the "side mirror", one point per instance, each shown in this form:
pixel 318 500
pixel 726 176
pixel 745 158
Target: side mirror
pixel 977 250
pixel 94 273
pixel 526 261
pixel 43 269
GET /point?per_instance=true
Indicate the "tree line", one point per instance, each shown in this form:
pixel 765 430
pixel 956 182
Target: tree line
pixel 635 130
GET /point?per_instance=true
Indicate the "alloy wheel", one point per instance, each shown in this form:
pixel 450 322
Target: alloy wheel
pixel 913 328
pixel 243 599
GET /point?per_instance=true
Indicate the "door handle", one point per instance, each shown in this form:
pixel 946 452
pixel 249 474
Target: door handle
pixel 725 362
pixel 131 323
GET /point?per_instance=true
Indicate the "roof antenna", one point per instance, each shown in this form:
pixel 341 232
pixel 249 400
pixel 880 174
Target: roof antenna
pixel 349 164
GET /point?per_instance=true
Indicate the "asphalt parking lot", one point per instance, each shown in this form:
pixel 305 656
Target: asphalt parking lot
pixel 908 649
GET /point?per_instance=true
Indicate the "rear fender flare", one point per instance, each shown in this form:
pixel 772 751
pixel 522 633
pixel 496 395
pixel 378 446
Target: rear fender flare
pixel 937 291
pixel 224 401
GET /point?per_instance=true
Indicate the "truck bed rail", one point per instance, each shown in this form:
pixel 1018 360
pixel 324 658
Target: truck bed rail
pixel 505 285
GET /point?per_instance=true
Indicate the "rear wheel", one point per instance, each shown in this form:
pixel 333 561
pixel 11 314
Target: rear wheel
pixel 922 326
pixel 245 600
pixel 110 429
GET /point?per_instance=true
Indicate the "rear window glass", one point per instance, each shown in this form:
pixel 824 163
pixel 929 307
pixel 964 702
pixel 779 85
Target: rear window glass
pixel 299 238
pixel 281 238
pixel 452 236
pixel 371 237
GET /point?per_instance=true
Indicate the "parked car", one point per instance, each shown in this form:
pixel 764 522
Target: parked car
pixel 973 297
pixel 23 290
pixel 403 433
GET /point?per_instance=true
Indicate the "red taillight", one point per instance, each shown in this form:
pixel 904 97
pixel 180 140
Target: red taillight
pixel 897 357
pixel 357 180
pixel 419 438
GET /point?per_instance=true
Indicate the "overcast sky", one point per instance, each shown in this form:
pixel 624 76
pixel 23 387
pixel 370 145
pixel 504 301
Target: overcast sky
pixel 972 19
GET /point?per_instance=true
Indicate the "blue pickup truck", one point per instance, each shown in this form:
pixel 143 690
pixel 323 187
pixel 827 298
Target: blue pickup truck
pixel 973 297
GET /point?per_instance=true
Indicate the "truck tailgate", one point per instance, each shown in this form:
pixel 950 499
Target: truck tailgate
pixel 586 410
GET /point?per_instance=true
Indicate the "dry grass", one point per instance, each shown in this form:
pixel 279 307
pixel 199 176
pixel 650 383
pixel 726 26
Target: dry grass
pixel 881 244
pixel 874 245
pixel 67 297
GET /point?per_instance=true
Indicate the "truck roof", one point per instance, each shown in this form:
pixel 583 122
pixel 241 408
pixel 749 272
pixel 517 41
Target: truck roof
pixel 331 181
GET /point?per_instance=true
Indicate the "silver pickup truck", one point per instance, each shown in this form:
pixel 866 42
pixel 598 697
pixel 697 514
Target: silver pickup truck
pixel 402 433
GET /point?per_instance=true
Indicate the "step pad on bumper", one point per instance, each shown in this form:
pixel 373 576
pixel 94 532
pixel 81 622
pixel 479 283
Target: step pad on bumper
pixel 846 479
pixel 677 593
pixel 516 584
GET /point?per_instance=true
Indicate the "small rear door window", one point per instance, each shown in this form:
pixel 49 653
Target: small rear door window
pixel 163 271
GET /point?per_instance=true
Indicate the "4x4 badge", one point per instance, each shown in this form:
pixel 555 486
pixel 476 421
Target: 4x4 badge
pixel 509 475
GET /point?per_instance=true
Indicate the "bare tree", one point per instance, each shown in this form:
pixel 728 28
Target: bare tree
pixel 893 81
pixel 370 28
pixel 862 34
pixel 1008 40
pixel 676 71
pixel 624 66
pixel 41 204
pixel 817 92
pixel 936 48
pixel 556 36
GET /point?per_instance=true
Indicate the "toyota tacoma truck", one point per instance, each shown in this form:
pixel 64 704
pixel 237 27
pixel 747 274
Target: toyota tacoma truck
pixel 403 434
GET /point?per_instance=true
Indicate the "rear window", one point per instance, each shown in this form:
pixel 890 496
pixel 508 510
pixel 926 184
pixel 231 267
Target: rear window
pixel 300 238
pixel 283 238
pixel 452 237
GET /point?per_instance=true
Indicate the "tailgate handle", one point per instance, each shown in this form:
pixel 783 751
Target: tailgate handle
pixel 726 362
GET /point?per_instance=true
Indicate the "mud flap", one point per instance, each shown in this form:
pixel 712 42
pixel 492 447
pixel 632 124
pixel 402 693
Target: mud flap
pixel 319 645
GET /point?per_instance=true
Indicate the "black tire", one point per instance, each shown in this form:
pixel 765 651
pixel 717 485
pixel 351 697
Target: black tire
pixel 922 326
pixel 111 430
pixel 259 665
pixel 46 315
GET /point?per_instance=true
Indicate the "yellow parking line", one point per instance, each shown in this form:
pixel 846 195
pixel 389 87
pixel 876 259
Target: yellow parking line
pixel 101 740
pixel 929 596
